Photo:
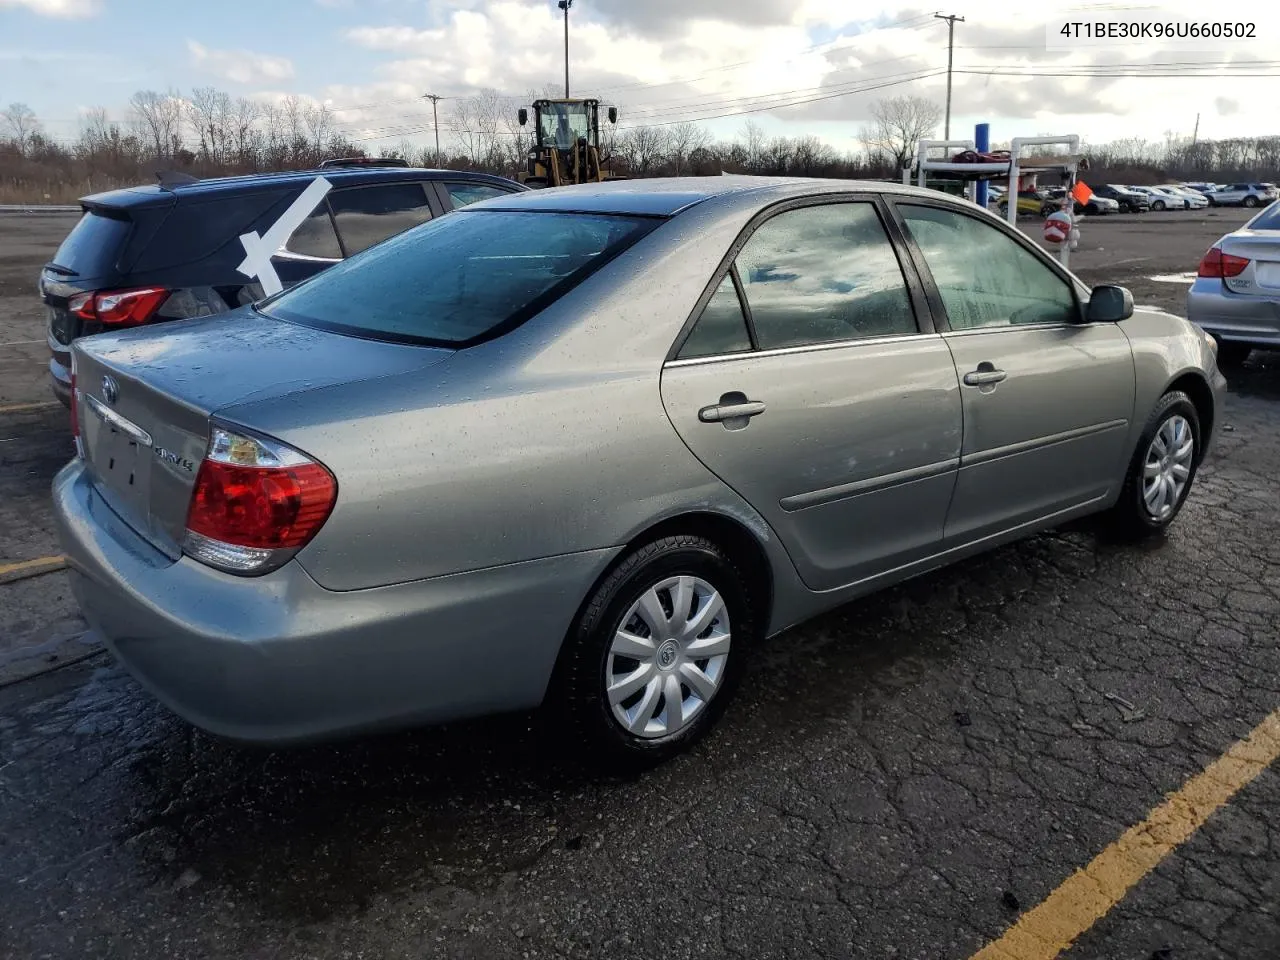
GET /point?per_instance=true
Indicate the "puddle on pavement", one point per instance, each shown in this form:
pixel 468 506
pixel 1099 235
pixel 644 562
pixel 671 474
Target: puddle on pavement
pixel 1174 278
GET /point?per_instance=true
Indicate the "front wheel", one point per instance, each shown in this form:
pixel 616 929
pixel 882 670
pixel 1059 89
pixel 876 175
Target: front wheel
pixel 654 657
pixel 1158 205
pixel 1162 469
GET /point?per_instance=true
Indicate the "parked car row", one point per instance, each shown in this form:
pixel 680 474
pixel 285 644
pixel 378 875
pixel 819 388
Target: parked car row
pixel 1118 198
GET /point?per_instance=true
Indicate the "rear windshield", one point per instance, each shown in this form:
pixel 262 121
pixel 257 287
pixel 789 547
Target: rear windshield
pixel 1268 219
pixel 462 278
pixel 93 246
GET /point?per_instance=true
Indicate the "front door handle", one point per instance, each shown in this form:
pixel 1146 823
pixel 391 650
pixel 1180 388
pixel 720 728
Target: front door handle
pixel 985 375
pixel 730 411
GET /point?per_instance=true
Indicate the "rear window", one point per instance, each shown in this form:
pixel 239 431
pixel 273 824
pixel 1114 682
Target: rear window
pixel 93 246
pixel 1268 219
pixel 462 278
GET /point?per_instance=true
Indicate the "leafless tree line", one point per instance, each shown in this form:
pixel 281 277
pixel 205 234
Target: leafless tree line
pixel 208 133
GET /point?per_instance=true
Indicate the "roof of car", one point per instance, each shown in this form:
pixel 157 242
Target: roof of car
pixel 666 196
pixel 147 194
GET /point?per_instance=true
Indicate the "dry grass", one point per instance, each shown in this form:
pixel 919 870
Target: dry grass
pixel 53 191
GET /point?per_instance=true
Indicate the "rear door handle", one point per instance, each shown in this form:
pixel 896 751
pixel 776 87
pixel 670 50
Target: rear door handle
pixel 720 412
pixel 983 376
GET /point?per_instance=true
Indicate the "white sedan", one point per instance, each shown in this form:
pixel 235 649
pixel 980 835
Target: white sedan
pixel 1195 199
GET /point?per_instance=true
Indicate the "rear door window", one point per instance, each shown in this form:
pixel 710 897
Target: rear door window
pixel 367 215
pixel 93 246
pixel 463 194
pixel 315 237
pixel 462 278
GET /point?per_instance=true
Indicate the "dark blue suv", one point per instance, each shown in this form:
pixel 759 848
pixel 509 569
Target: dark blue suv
pixel 192 248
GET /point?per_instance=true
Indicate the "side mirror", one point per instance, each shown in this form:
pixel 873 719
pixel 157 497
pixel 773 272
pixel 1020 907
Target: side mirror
pixel 1108 304
pixel 523 116
pixel 613 114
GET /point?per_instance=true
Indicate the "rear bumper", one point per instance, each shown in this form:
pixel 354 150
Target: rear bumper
pixel 60 374
pixel 1232 317
pixel 279 659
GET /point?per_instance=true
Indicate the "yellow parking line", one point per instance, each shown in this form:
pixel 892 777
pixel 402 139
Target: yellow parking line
pixel 1048 929
pixel 19 407
pixel 41 565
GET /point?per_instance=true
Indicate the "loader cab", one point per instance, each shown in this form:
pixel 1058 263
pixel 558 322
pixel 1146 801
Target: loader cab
pixel 566 145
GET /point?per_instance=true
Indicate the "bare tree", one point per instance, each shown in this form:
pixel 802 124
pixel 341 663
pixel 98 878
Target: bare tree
pixel 158 118
pixel 209 111
pixel 20 122
pixel 643 149
pixel 753 143
pixel 897 125
pixel 683 139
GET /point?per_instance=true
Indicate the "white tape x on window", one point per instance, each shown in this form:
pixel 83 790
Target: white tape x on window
pixel 259 249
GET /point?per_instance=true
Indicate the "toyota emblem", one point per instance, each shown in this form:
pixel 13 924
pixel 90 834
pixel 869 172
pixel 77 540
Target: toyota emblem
pixel 110 389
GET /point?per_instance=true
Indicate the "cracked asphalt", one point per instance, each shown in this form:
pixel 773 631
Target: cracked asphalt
pixel 898 779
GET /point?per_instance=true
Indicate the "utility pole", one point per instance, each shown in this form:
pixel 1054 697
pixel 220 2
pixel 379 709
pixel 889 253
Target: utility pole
pixel 951 19
pixel 565 5
pixel 1195 135
pixel 435 121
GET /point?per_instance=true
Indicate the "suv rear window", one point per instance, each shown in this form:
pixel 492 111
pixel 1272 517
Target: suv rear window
pixel 93 246
pixel 462 278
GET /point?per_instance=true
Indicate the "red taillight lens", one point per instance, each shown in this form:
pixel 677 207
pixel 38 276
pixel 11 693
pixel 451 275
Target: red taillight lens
pixel 119 308
pixel 1221 265
pixel 268 508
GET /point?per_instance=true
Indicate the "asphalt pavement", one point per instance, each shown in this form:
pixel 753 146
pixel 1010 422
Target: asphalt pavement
pixel 905 777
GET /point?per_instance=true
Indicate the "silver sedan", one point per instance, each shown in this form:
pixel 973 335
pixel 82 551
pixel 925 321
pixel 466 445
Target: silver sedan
pixel 587 447
pixel 1236 293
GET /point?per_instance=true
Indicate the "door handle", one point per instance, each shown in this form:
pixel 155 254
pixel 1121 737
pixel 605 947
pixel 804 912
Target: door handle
pixel 720 412
pixel 985 375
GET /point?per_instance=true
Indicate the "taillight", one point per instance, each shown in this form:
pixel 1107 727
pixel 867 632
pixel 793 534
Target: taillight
pixel 1221 265
pixel 119 308
pixel 255 503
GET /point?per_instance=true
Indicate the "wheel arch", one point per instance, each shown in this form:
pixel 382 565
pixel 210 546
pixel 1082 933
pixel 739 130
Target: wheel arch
pixel 1194 385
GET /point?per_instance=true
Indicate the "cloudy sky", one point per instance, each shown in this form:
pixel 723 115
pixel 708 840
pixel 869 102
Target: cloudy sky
pixel 794 66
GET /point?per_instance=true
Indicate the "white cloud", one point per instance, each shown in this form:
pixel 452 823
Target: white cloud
pixel 671 60
pixel 64 9
pixel 240 66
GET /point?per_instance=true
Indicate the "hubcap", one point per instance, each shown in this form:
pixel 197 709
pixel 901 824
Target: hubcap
pixel 1167 467
pixel 667 659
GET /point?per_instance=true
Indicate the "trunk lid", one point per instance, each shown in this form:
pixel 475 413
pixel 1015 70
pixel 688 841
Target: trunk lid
pixel 1261 278
pixel 146 397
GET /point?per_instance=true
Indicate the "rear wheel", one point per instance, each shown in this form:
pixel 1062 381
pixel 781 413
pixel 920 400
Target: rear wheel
pixel 1250 201
pixel 1157 205
pixel 653 659
pixel 1162 469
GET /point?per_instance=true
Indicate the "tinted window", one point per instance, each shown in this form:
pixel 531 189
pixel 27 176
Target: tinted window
pixel 461 276
pixel 93 245
pixel 366 215
pixel 985 277
pixel 1269 219
pixel 464 193
pixel 824 273
pixel 315 237
pixel 721 328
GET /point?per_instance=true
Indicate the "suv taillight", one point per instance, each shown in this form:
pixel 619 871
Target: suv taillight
pixel 1221 265
pixel 256 502
pixel 119 308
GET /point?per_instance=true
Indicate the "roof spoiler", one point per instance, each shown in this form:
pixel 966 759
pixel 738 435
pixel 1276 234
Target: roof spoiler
pixel 364 162
pixel 169 179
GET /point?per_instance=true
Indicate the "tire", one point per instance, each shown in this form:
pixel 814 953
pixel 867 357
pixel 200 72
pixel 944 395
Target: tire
pixel 591 660
pixel 1232 355
pixel 536 183
pixel 1157 205
pixel 1250 202
pixel 1132 517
